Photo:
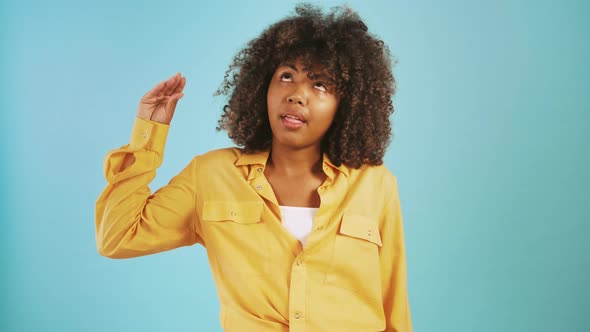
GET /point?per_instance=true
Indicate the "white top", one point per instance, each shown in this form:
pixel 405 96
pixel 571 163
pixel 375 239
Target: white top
pixel 298 221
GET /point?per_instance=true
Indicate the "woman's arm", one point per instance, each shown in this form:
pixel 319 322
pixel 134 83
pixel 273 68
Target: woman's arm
pixel 130 220
pixel 393 266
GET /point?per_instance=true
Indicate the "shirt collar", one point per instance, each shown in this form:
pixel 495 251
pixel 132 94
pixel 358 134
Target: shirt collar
pixel 342 168
pixel 253 158
pixel 261 157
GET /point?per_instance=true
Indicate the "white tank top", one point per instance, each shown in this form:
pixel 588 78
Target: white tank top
pixel 298 221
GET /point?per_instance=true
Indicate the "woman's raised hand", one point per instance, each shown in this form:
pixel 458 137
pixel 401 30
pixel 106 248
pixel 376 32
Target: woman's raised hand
pixel 160 102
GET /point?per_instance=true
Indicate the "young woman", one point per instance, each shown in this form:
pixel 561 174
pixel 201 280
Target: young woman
pixel 302 224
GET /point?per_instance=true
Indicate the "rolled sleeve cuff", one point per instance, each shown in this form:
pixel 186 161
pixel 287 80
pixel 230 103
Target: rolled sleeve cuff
pixel 149 135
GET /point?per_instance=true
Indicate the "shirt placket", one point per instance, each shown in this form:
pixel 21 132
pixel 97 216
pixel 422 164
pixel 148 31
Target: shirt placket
pixel 297 289
pixel 327 196
pixel 297 295
pixel 259 183
pixel 298 313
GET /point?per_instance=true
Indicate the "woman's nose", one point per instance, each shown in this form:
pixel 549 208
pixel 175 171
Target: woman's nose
pixel 298 95
pixel 296 99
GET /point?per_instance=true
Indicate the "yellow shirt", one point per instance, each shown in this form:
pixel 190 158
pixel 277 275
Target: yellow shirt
pixel 350 277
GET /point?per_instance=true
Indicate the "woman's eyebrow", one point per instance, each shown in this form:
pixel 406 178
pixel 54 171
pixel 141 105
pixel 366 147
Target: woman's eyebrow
pixel 290 65
pixel 322 76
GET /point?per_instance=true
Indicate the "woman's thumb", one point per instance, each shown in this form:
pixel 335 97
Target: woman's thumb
pixel 171 105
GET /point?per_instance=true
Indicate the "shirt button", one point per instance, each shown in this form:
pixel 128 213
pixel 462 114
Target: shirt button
pixel 259 169
pixel 298 262
pixel 369 233
pixel 233 213
pixel 319 228
pixel 297 315
pixel 259 187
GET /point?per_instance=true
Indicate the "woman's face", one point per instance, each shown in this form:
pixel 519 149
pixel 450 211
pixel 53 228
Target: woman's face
pixel 300 109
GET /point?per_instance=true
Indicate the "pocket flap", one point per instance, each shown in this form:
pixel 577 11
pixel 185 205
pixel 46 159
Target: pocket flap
pixel 238 212
pixel 360 227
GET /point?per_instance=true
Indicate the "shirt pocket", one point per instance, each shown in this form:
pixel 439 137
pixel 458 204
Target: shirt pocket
pixel 236 237
pixel 355 262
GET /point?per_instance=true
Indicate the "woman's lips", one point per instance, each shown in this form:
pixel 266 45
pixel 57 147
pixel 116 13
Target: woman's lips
pixel 292 122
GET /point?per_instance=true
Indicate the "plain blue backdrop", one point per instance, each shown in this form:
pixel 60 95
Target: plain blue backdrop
pixel 491 135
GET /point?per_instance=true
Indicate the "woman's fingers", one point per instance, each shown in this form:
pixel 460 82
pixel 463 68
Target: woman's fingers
pixel 171 84
pixel 171 103
pixel 180 86
pixel 160 102
pixel 155 90
pixel 165 87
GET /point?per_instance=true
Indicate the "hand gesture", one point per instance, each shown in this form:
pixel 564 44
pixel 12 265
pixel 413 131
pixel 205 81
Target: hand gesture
pixel 160 102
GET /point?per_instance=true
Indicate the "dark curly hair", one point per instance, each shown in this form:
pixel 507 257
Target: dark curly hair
pixel 357 63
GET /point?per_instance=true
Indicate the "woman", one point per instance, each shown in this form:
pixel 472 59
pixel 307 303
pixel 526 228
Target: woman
pixel 302 225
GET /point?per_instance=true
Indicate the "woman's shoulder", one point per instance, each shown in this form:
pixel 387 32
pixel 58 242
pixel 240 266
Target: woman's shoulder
pixel 219 158
pixel 378 173
pixel 222 155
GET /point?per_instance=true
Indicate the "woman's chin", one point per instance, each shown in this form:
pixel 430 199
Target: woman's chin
pixel 289 142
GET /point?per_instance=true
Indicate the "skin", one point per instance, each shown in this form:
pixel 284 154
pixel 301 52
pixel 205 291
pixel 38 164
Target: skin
pixel 159 105
pixel 294 168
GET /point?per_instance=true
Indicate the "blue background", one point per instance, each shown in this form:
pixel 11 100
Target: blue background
pixel 490 150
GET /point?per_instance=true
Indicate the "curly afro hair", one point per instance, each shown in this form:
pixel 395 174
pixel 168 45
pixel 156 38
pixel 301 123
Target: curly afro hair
pixel 357 63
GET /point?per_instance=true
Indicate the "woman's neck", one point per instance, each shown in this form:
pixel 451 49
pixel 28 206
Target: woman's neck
pixel 295 162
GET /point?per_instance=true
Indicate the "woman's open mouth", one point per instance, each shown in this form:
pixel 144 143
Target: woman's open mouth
pixel 292 122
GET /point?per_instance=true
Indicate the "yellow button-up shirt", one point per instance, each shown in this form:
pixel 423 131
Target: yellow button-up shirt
pixel 350 277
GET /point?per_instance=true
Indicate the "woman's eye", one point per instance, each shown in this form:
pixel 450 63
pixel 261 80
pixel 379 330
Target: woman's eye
pixel 321 86
pixel 286 77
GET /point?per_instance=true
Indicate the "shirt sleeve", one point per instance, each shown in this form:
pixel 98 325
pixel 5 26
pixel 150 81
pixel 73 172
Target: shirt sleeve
pixel 130 220
pixel 393 267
